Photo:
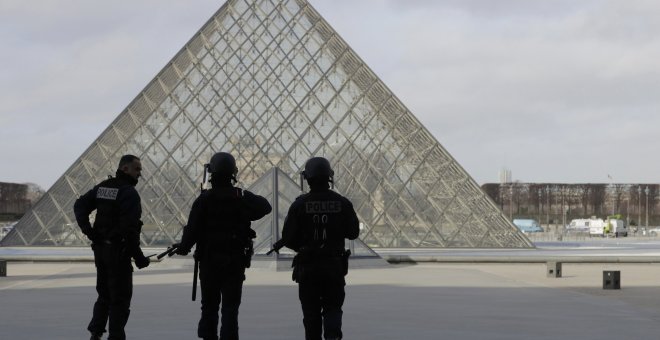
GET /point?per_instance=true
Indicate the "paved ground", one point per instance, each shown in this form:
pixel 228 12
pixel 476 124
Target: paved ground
pixel 425 301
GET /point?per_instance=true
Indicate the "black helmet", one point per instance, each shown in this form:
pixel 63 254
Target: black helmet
pixel 318 167
pixel 223 163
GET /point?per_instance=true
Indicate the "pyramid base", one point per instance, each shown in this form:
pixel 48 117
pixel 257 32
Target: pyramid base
pixel 283 263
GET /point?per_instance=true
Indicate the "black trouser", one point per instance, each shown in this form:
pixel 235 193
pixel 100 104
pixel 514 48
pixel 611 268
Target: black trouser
pixel 220 283
pixel 321 293
pixel 114 284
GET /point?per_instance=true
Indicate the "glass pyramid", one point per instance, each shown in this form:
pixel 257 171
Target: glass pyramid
pixel 271 82
pixel 281 191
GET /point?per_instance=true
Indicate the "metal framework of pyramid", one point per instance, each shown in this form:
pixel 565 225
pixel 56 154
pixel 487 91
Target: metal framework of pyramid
pixel 271 82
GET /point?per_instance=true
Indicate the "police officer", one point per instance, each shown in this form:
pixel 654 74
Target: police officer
pixel 115 240
pixel 315 227
pixel 219 223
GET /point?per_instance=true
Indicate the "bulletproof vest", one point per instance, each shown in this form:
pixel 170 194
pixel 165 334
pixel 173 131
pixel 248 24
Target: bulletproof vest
pixel 107 208
pixel 322 215
pixel 224 224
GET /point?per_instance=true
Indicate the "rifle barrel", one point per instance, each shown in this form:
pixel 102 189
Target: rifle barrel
pixel 169 252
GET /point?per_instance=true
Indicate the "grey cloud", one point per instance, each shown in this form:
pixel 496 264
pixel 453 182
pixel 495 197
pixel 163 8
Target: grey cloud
pixel 535 94
pixel 554 90
pixel 499 9
pixel 73 66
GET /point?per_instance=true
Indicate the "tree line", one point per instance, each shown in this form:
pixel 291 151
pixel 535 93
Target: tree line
pixel 557 203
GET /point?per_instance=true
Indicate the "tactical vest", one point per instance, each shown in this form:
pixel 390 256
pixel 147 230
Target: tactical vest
pixel 225 227
pixel 321 216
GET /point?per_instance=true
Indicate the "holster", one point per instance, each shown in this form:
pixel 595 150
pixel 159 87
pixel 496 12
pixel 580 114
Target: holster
pixel 344 260
pixel 297 269
pixel 249 251
pixel 312 262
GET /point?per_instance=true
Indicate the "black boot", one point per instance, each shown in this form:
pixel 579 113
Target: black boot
pixel 96 336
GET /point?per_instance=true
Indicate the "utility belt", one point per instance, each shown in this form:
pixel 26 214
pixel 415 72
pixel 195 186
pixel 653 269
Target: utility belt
pixel 224 256
pixel 108 243
pixel 320 253
pixel 320 262
pixel 111 246
pixel 114 251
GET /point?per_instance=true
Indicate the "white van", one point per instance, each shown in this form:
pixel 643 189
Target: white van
pixel 600 227
pixel 579 225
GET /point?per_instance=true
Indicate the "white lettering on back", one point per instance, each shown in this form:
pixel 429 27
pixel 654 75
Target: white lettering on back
pixel 107 193
pixel 323 207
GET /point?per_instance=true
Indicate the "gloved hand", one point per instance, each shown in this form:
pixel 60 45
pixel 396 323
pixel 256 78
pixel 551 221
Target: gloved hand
pixel 142 262
pixel 181 251
pixel 91 234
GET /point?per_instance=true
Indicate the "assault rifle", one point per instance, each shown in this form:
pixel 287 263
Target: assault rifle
pixel 171 250
pixel 276 247
pixel 202 188
pixel 195 274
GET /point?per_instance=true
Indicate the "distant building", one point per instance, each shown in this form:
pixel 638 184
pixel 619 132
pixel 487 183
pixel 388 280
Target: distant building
pixel 14 201
pixel 505 176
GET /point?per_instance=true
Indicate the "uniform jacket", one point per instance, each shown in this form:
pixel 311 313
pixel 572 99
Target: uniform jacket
pixel 320 219
pixel 118 212
pixel 220 218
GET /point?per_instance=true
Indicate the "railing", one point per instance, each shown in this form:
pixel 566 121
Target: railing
pixel 553 236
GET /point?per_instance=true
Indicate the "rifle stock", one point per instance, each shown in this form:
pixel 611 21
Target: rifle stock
pixel 276 247
pixel 195 272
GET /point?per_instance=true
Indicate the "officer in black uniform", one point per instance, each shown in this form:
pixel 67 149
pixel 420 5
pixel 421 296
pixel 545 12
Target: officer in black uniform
pixel 219 224
pixel 115 240
pixel 315 227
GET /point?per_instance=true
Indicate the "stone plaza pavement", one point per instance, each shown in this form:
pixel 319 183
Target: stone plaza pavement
pixel 424 301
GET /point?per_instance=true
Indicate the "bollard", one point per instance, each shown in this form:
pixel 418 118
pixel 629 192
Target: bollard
pixel 554 269
pixel 3 268
pixel 611 279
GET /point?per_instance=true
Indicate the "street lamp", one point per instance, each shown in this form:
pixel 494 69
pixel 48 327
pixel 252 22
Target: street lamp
pixel 646 191
pixel 511 201
pixel 627 211
pixel 612 191
pixel 639 205
pixel 563 209
pixel 539 211
pixel 563 227
pixel 547 210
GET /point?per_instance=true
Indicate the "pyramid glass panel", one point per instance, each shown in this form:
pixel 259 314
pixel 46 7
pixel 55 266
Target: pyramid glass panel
pixel 271 82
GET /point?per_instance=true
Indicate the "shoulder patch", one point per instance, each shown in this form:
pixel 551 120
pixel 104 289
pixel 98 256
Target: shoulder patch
pixel 107 193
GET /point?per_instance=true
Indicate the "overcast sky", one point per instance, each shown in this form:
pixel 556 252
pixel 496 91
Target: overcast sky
pixel 555 91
